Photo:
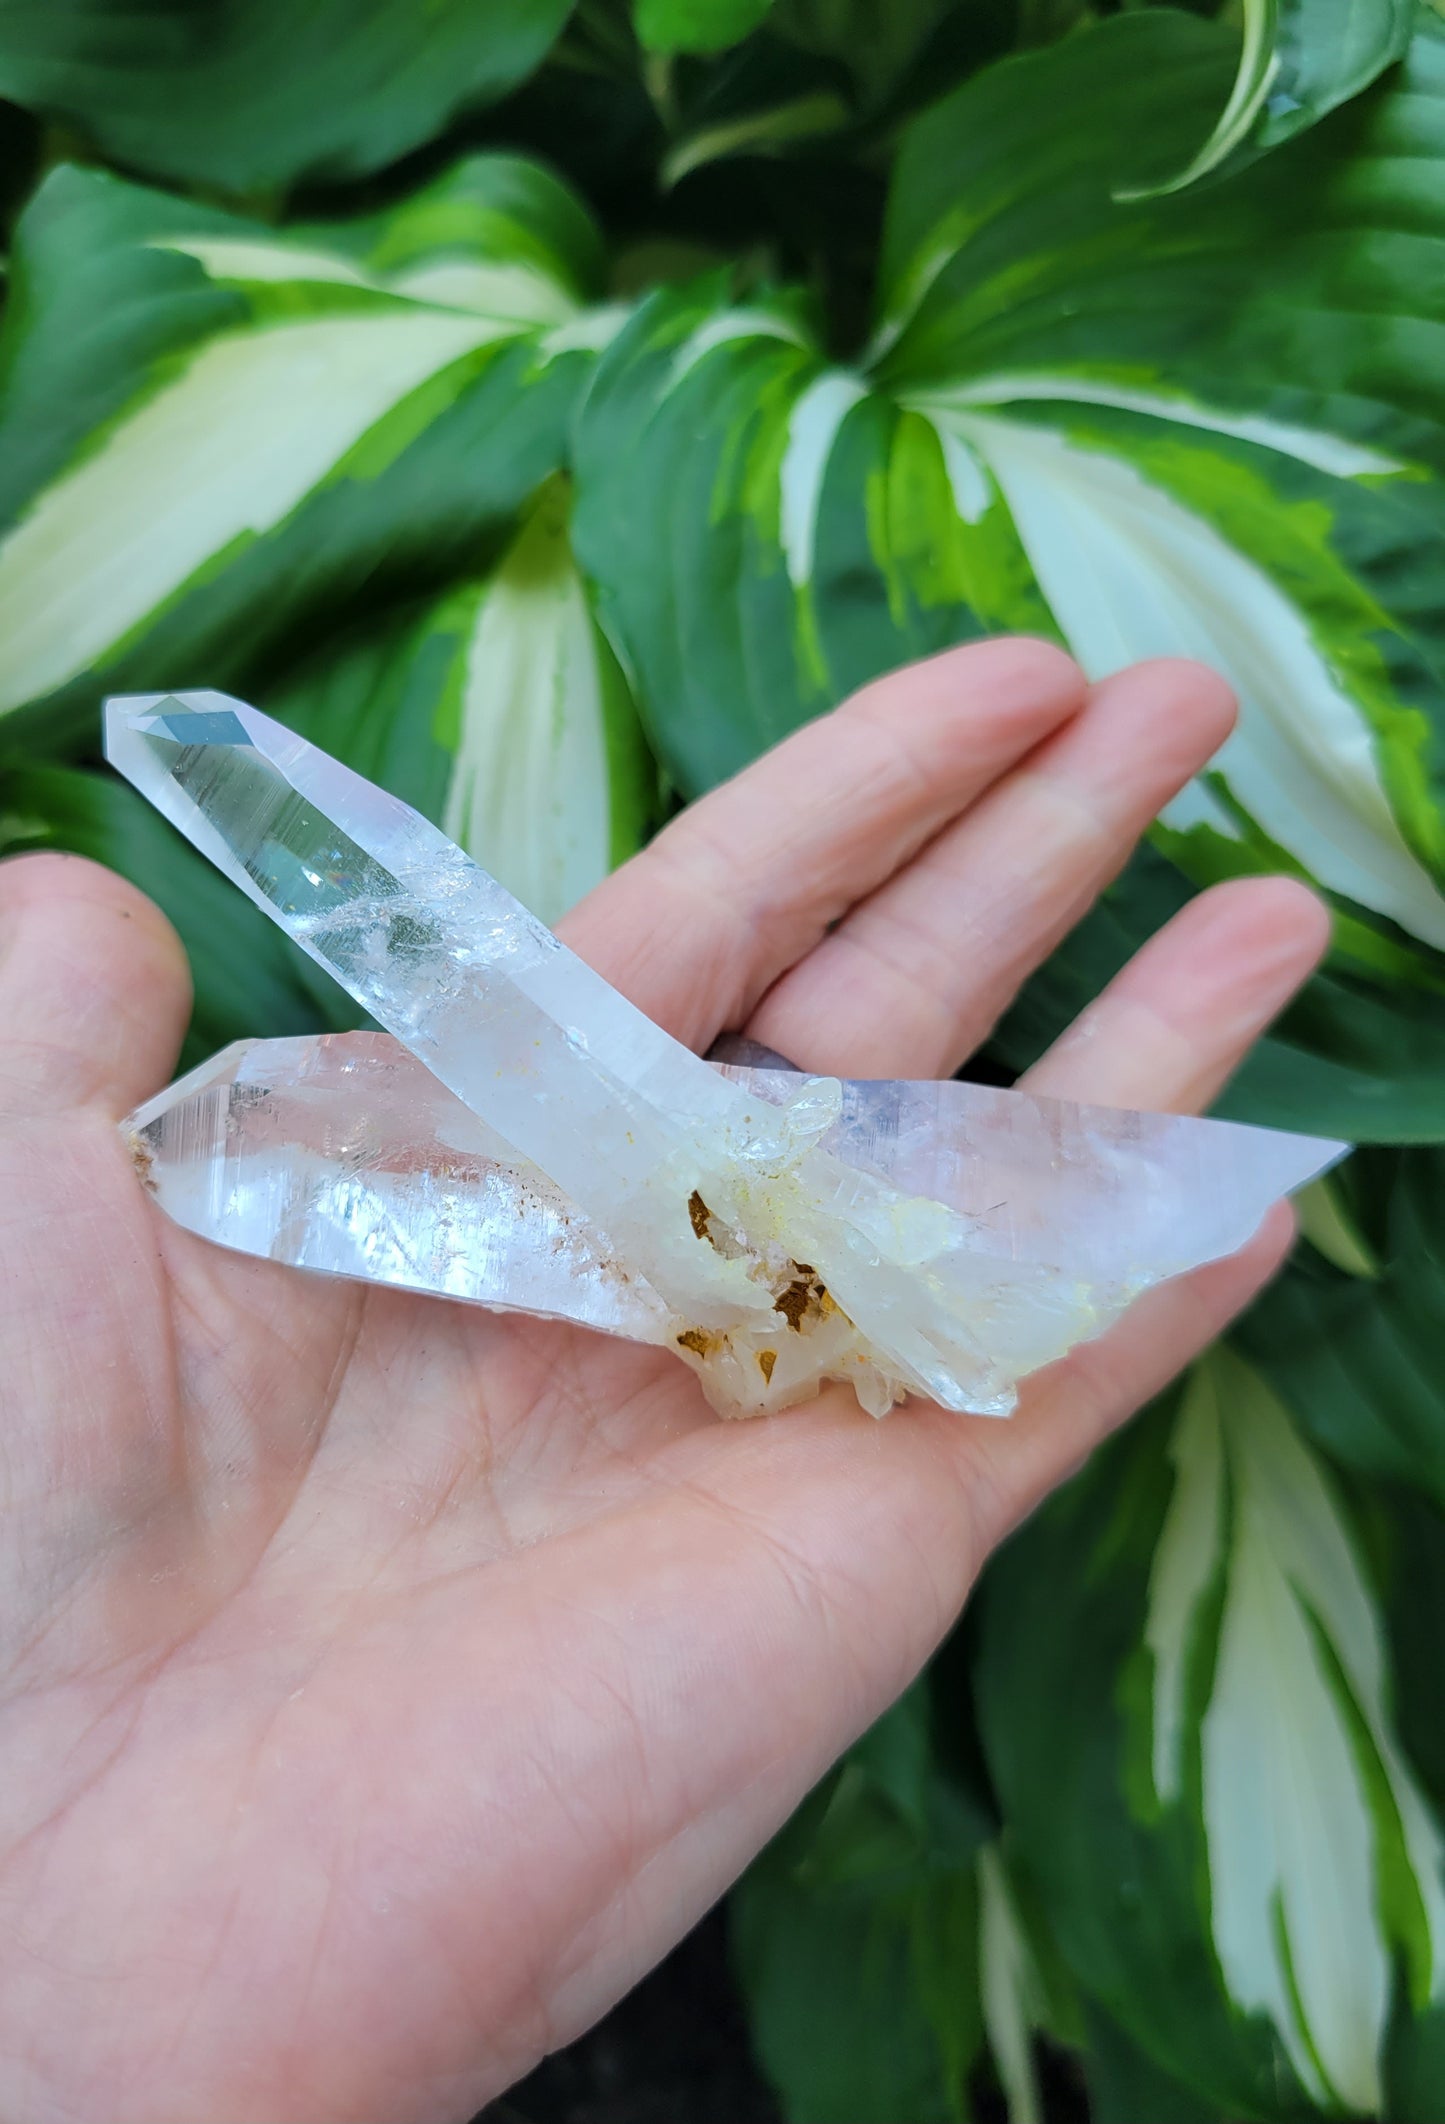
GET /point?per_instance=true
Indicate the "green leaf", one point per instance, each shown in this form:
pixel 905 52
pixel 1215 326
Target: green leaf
pixel 855 1939
pixel 696 25
pixel 1347 1059
pixel 1125 2085
pixel 1410 1545
pixel 1241 1867
pixel 879 41
pixel 1196 451
pixel 498 710
pixel 835 1997
pixel 819 82
pixel 772 130
pixel 248 978
pixel 1325 1222
pixel 1299 59
pixel 1309 1897
pixel 1209 424
pixel 214 435
pixel 252 94
pixel 1357 1361
pixel 1010 1991
pixel 762 580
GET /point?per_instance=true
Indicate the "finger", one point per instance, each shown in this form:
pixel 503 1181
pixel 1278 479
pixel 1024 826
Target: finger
pixel 914 978
pixel 1069 1409
pixel 1169 1031
pixel 94 988
pixel 747 880
pixel 1165 1035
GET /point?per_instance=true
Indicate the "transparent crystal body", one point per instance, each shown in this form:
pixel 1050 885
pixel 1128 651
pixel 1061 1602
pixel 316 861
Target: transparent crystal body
pixel 536 1142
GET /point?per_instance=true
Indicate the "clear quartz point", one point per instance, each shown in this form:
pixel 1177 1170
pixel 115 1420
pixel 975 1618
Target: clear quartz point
pixel 536 1143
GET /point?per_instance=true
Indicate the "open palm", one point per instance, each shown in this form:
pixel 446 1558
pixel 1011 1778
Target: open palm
pixel 385 1684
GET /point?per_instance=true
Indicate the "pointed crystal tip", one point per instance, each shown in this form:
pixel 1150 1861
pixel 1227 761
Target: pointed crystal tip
pixel 204 718
pixel 146 732
pixel 180 725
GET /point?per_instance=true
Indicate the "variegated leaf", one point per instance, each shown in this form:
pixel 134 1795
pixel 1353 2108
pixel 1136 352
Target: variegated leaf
pixel 214 433
pixel 1350 1335
pixel 1208 424
pixel 253 95
pixel 1299 59
pixel 498 709
pixel 1324 1862
pixel 1205 1778
pixel 1010 1989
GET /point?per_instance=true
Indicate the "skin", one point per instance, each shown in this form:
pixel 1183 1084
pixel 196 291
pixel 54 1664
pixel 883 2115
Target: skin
pixel 385 1685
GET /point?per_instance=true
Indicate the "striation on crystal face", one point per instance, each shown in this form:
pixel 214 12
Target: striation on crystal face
pixel 544 1146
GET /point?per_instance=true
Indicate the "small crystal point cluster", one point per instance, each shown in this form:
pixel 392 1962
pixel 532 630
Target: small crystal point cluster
pixel 525 1138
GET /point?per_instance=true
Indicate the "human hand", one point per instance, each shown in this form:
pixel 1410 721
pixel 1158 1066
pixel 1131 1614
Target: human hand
pixel 386 1684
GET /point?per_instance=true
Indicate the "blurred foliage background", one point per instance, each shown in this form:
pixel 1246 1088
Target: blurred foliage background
pixel 545 407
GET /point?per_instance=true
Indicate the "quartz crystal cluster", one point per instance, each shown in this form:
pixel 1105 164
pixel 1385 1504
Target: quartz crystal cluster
pixel 525 1138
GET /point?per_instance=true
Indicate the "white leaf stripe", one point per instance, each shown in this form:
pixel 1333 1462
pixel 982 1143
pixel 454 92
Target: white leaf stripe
pixel 1336 454
pixel 513 294
pixel 240 259
pixel 1292 1840
pixel 1185 1560
pixel 529 793
pixel 517 294
pixel 229 448
pixel 909 296
pixel 1259 64
pixel 968 480
pixel 813 429
pixel 1129 572
pixel 726 329
pixel 588 332
pixel 1009 1990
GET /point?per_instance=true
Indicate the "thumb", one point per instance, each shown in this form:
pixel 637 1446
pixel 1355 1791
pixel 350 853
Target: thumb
pixel 95 991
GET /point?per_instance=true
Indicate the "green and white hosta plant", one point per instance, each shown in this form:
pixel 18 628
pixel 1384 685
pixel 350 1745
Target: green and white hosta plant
pixel 214 432
pixel 1324 1862
pixel 1349 1337
pixel 290 421
pixel 449 476
pixel 1243 1862
pixel 498 708
pixel 1299 60
pixel 1143 426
